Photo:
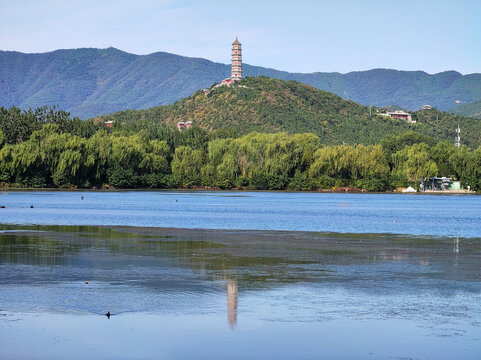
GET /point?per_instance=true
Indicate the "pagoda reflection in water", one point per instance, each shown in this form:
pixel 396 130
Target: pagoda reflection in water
pixel 232 296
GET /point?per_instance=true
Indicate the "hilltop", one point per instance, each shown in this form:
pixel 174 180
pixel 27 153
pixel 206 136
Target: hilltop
pixel 89 82
pixel 269 105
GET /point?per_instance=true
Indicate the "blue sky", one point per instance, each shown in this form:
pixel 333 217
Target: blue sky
pixel 296 36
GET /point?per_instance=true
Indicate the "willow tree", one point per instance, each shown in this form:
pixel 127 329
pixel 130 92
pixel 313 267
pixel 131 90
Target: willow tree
pixel 441 154
pixel 33 162
pixel 414 162
pixel 99 151
pixel 334 161
pixel 134 157
pixel 462 162
pixel 475 179
pixel 72 168
pixel 368 161
pixel 187 164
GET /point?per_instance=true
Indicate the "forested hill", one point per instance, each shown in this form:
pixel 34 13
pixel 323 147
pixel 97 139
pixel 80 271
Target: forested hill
pixel 91 82
pixel 472 109
pixel 269 105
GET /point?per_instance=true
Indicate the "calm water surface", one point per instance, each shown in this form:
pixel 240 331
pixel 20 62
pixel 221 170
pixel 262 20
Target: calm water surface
pixel 448 215
pixel 216 294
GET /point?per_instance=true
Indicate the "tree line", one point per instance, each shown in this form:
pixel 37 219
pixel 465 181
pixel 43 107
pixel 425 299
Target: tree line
pixel 46 148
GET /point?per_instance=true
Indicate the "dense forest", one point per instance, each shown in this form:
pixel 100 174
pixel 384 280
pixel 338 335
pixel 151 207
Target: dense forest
pixel 47 148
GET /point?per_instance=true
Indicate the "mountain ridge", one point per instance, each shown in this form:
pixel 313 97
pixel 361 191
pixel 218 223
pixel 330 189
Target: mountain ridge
pixel 89 81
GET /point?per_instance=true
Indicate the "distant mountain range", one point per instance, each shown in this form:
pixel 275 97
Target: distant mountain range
pixel 90 82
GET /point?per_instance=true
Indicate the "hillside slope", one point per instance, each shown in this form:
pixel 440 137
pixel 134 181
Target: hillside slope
pixel 472 109
pixel 269 105
pixel 90 82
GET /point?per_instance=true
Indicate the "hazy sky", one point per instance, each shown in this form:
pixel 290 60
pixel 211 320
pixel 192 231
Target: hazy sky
pixel 296 36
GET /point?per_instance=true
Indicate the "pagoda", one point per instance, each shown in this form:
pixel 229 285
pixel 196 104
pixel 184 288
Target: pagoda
pixel 236 66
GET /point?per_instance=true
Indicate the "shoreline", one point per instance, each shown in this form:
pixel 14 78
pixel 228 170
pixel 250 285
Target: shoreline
pixel 320 191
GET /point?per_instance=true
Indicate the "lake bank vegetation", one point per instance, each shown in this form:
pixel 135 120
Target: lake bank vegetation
pixel 46 148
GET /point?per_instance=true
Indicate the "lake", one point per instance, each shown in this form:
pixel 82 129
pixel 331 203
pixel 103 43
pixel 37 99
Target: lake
pixel 443 215
pixel 215 275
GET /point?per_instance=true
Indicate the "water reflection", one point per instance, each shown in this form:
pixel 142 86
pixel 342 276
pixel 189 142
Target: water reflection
pixel 160 278
pixel 232 298
pixel 456 245
pixel 392 255
pixel 258 259
pixel 141 269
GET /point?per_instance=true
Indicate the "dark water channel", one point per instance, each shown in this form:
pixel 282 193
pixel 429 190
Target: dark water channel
pixel 217 294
